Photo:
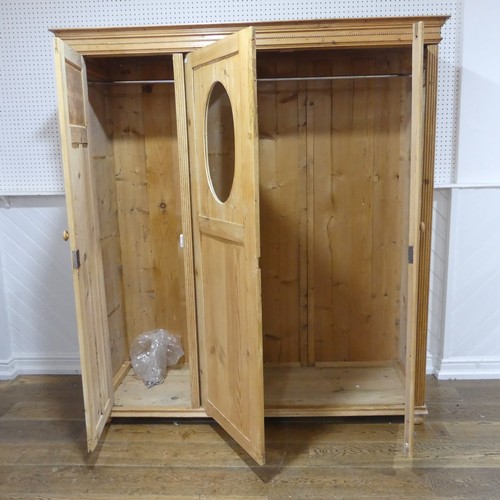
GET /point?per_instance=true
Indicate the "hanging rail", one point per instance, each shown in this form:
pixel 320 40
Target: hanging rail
pixel 130 82
pixel 264 80
pixel 339 77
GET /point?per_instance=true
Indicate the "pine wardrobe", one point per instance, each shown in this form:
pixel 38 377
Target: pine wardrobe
pixel 265 192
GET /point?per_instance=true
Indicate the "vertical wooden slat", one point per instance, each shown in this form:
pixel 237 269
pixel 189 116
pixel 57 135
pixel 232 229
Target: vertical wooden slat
pixel 311 171
pixel 183 156
pixel 384 215
pixel 269 208
pixel 160 203
pixel 287 314
pixel 425 237
pixel 133 209
pixel 361 342
pixel 414 228
pixel 289 185
pixel 334 207
pixel 282 198
pixel 162 175
pixel 321 217
pixel 304 169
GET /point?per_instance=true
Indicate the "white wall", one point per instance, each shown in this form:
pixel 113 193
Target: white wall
pixel 438 277
pixel 37 318
pixel 470 339
pixel 479 130
pixel 471 343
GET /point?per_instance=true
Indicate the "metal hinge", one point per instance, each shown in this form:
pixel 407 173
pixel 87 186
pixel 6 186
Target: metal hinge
pixel 78 136
pixel 410 255
pixel 75 255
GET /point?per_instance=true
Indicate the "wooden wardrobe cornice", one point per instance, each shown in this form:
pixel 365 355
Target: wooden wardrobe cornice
pixel 276 35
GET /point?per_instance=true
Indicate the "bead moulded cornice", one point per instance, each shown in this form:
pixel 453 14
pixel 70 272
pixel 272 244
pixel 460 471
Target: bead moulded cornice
pixel 277 35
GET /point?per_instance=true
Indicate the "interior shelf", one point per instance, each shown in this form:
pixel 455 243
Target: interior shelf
pixel 335 389
pixel 133 398
pixel 332 389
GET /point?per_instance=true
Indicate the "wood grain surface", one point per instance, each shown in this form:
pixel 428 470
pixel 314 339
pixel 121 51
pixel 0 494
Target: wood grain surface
pixel 43 451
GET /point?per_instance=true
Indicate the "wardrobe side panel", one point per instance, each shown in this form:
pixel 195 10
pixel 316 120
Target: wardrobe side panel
pixel 101 160
pixel 425 237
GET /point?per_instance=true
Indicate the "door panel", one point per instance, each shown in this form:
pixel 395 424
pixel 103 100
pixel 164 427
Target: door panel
pixel 224 172
pixel 414 227
pixel 88 277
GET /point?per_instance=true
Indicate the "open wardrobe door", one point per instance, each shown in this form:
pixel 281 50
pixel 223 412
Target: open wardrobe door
pixel 222 110
pixel 88 277
pixel 414 228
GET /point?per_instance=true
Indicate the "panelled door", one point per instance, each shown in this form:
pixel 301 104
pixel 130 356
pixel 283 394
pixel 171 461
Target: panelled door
pixel 414 227
pixel 220 82
pixel 88 276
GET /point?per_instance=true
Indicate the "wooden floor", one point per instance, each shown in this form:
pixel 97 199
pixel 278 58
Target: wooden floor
pixel 43 456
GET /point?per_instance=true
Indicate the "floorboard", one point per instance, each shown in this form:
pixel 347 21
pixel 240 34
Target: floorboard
pixel 43 451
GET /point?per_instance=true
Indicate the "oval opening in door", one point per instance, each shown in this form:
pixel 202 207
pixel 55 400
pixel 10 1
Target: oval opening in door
pixel 220 147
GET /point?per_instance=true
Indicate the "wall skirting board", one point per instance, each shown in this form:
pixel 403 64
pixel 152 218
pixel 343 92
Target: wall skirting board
pixel 37 364
pixel 466 368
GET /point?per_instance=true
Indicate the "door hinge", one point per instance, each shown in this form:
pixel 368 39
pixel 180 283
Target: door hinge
pixel 75 254
pixel 78 136
pixel 410 254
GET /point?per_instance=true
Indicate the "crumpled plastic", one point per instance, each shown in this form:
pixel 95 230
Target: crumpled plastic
pixel 152 352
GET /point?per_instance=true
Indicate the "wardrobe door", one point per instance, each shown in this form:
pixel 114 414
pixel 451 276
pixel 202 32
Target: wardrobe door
pixel 414 226
pixel 224 172
pixel 88 276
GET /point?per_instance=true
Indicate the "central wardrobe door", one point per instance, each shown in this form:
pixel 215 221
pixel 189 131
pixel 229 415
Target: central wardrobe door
pixel 222 110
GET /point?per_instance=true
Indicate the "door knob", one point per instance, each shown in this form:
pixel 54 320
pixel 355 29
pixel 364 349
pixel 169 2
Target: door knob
pixel 66 235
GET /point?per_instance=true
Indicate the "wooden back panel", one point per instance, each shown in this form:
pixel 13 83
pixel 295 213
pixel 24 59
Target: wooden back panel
pixel 140 202
pixel 334 159
pixel 282 151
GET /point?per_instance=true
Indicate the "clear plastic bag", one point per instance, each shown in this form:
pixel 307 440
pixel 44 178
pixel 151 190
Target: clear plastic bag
pixel 152 352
